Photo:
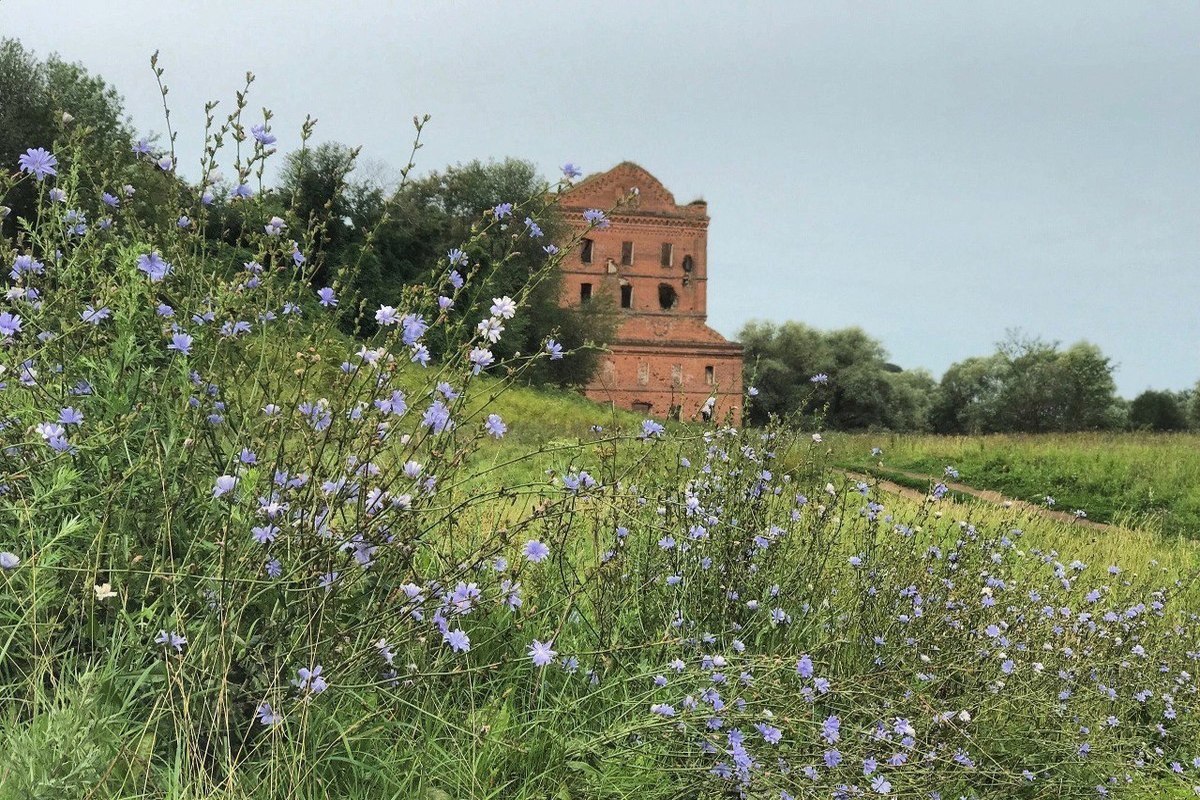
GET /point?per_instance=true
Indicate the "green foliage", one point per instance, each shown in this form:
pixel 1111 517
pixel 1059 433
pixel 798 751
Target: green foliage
pixel 1158 411
pixel 26 116
pixel 1028 385
pixel 81 744
pixel 864 390
pixel 44 102
pixel 389 236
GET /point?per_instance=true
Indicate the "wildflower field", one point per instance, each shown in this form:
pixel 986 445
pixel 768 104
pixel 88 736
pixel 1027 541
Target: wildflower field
pixel 1149 481
pixel 245 553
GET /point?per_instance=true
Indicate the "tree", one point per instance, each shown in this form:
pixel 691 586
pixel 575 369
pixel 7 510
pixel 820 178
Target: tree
pixel 316 183
pixel 413 228
pixel 26 118
pixel 1157 411
pixel 967 394
pixel 1194 407
pixel 1028 385
pixel 1087 391
pixel 37 98
pixel 911 400
pixel 862 391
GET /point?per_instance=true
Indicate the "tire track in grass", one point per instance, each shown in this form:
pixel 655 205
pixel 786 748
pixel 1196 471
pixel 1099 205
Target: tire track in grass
pixel 986 495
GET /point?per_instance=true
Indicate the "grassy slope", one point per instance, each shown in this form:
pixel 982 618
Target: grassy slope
pixel 1139 480
pixel 542 418
pixel 538 420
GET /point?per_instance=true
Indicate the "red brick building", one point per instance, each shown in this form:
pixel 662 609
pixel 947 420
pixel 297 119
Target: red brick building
pixel 652 261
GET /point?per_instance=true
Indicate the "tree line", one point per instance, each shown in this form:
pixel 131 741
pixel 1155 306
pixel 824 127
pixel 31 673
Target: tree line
pixel 843 380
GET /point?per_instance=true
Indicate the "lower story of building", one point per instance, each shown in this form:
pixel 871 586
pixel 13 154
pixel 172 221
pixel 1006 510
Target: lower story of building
pixel 672 381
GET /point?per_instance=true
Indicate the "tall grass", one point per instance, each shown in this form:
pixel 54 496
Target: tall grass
pixel 1142 480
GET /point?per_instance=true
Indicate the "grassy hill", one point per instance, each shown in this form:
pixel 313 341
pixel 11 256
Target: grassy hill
pixel 1147 481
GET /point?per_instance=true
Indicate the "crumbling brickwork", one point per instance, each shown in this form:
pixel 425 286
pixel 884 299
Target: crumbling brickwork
pixel 652 261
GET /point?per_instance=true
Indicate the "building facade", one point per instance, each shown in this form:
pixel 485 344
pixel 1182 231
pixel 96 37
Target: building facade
pixel 652 262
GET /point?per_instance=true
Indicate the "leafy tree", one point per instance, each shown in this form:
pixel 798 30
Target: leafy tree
pixel 967 395
pixel 1087 390
pixel 1194 407
pixel 95 106
pixel 43 102
pixel 1157 411
pixel 912 393
pixel 413 227
pixel 1028 385
pixel 26 117
pixel 316 184
pixel 863 390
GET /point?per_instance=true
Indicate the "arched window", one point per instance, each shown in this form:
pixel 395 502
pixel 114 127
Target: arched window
pixel 667 297
pixel 688 264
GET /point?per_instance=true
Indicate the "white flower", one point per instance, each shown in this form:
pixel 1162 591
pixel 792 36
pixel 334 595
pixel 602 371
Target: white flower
pixel 490 329
pixel 504 307
pixel 103 591
pixel 49 430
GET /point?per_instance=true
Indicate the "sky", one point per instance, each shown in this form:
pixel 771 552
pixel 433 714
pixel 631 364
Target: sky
pixel 935 173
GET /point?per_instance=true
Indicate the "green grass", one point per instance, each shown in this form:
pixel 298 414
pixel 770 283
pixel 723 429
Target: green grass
pixel 1073 467
pixel 1146 481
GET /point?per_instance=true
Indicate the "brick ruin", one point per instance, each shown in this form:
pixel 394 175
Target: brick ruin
pixel 652 261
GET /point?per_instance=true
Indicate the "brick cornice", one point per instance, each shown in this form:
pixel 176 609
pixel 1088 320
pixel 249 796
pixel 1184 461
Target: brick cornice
pixel 658 346
pixel 644 221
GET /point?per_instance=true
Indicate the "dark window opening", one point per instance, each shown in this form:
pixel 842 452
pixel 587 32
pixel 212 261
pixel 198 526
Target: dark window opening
pixel 687 264
pixel 641 407
pixel 626 253
pixel 585 251
pixel 667 298
pixel 626 296
pixel 667 254
pixel 710 375
pixel 585 292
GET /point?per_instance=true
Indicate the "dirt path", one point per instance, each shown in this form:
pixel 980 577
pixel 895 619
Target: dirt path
pixel 983 494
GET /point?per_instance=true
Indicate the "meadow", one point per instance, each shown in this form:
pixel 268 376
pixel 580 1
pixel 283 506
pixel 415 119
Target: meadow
pixel 244 554
pixel 1138 480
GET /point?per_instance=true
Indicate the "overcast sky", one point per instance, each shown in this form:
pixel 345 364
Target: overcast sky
pixel 936 173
